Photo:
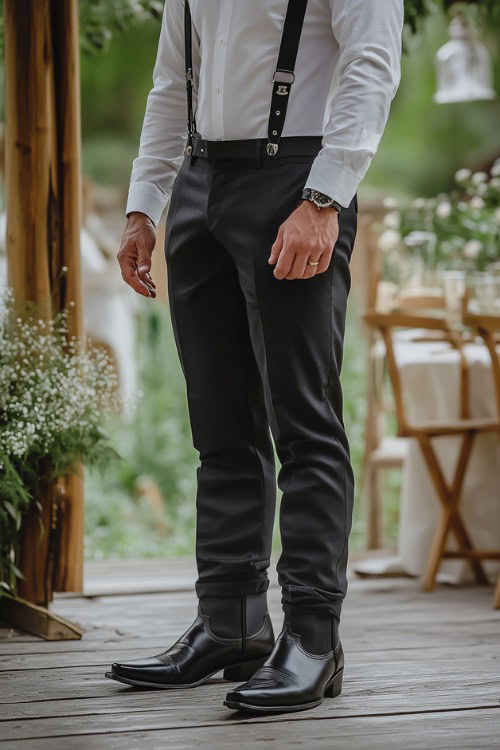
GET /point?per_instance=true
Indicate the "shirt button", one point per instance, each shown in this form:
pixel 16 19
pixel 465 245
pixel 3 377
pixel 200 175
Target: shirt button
pixel 221 40
pixel 217 91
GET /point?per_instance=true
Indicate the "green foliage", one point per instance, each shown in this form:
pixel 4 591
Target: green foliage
pixel 488 11
pixel 101 19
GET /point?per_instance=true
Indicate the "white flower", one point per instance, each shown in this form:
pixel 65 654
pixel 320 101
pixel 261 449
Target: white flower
pixel 419 203
pixel 495 170
pixel 421 239
pixel 389 202
pixel 389 240
pixel 463 175
pixel 472 248
pixel 479 177
pixel 495 183
pixel 392 220
pixel 477 202
pixel 443 209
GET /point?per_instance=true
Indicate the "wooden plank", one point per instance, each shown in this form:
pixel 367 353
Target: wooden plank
pixel 421 683
pixel 451 615
pixel 104 656
pixel 455 730
pixel 39 620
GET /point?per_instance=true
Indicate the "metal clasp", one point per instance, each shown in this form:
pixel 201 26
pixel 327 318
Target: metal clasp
pixel 272 149
pixel 284 76
pixel 188 150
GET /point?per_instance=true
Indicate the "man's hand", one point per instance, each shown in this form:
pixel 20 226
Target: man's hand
pixel 135 253
pixel 308 234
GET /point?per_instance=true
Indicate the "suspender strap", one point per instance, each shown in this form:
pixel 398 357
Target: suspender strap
pixel 282 80
pixel 284 75
pixel 188 58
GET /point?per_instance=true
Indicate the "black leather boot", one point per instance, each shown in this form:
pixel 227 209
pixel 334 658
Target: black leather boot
pixel 294 678
pixel 242 641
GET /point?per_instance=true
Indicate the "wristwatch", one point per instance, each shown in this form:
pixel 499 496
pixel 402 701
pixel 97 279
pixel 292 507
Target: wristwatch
pixel 320 200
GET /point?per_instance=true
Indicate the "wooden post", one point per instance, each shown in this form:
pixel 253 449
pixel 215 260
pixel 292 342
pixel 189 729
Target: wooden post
pixel 43 227
pixel 69 571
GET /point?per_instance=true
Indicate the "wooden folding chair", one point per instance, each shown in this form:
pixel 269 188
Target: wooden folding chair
pixel 385 451
pixel 488 327
pixel 424 432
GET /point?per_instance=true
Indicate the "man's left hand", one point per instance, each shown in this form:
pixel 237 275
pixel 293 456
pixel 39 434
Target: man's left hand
pixel 307 236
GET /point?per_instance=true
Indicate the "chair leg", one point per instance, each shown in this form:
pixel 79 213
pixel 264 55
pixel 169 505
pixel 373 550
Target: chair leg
pixel 372 508
pixel 437 549
pixel 496 598
pixel 450 519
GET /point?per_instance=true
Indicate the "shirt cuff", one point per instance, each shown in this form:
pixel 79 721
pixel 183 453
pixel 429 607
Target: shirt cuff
pixel 148 199
pixel 333 179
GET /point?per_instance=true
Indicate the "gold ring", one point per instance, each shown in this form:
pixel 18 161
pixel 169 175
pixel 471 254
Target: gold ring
pixel 313 262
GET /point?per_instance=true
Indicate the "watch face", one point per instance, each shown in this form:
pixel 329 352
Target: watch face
pixel 321 199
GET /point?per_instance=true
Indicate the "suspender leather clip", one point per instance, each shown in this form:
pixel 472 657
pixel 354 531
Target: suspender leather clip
pixel 284 76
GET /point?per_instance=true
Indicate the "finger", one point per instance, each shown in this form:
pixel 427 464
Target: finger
pixel 145 276
pixel 324 262
pixel 276 248
pixel 284 264
pixel 144 264
pixel 129 275
pixel 298 267
pixel 310 272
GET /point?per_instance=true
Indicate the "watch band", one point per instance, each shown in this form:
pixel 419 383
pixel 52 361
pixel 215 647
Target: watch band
pixel 320 200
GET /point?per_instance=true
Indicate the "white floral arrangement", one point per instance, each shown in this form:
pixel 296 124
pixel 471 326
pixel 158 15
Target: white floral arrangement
pixel 54 391
pixel 456 231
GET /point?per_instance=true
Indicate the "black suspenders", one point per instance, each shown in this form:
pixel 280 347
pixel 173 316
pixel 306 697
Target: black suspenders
pixel 284 75
pixel 282 79
pixel 188 59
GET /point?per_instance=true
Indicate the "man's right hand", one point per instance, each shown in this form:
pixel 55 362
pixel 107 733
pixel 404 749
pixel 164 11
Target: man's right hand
pixel 135 253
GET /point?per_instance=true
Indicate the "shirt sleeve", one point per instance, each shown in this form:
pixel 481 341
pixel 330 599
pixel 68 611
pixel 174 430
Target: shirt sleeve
pixel 365 81
pixel 164 130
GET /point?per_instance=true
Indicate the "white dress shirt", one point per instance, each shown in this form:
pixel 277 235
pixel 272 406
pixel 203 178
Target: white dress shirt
pixel 346 75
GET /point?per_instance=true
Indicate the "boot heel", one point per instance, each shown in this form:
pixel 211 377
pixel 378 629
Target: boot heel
pixel 335 687
pixel 242 671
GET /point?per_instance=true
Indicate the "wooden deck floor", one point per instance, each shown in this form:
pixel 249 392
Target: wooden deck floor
pixel 422 671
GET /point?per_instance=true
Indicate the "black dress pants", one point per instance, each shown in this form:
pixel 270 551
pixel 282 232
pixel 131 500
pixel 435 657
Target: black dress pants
pixel 258 353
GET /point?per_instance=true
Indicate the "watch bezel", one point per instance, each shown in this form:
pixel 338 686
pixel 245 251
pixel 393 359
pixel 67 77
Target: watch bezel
pixel 327 202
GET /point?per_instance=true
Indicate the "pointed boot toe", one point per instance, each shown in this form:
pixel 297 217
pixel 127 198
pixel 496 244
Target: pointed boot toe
pixel 290 680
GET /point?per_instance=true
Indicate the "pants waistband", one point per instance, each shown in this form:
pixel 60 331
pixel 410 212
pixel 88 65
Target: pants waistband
pixel 254 149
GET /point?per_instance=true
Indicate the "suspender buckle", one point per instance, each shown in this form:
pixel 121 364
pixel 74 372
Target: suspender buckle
pixel 284 76
pixel 272 149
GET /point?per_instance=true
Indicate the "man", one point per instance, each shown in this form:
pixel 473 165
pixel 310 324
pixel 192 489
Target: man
pixel 260 231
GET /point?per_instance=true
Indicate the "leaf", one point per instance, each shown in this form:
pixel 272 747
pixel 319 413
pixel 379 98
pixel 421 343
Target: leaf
pixel 17 572
pixel 10 508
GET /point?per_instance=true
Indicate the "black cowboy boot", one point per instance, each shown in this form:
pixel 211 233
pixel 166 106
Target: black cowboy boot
pixel 234 635
pixel 303 668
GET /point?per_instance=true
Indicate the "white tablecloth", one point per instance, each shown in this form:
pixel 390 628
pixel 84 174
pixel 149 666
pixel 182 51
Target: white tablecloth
pixel 430 378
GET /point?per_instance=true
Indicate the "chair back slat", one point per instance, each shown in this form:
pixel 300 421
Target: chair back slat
pixel 487 326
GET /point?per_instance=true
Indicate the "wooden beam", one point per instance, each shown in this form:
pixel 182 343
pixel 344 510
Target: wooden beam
pixel 43 166
pixel 69 571
pixel 31 618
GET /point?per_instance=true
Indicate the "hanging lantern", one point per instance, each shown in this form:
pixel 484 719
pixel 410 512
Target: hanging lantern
pixel 464 70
